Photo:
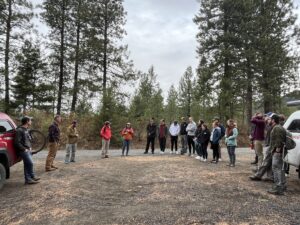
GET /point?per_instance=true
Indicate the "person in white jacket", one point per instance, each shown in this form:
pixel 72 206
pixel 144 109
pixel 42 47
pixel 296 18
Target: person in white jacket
pixel 191 129
pixel 174 131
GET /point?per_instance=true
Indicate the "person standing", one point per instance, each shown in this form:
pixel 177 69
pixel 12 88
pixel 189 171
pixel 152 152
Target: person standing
pixel 258 136
pixel 105 134
pixel 217 120
pixel 214 141
pixel 204 140
pixel 162 136
pixel 174 132
pixel 127 134
pixel 183 136
pixel 23 148
pixel 151 133
pixel 191 129
pixel 278 137
pixel 230 141
pixel 197 140
pixel 54 138
pixel 71 142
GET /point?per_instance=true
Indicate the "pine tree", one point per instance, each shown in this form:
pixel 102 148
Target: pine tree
pixel 185 92
pixel 172 109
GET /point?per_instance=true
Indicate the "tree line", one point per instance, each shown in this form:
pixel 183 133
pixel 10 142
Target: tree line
pixel 247 53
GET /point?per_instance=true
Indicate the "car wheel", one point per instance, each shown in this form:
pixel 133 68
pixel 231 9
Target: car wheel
pixel 38 141
pixel 2 175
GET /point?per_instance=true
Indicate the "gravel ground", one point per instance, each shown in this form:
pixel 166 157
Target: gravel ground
pixel 139 189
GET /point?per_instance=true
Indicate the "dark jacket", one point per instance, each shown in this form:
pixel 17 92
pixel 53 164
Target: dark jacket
pixel 165 132
pixel 183 128
pixel 204 137
pixel 151 130
pixel 198 133
pixel 54 133
pixel 259 130
pixel 22 139
pixel 277 139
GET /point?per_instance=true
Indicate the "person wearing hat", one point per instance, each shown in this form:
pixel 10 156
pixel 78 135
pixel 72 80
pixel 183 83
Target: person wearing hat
pixel 72 139
pixel 22 145
pixel 54 138
pixel 105 134
pixel 277 140
pixel 127 135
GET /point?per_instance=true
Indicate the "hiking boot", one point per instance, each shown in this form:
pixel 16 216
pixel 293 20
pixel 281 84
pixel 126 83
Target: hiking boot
pixel 145 152
pixel 106 156
pixel 275 191
pixel 49 169
pixel 35 178
pixel 54 167
pixel 31 182
pixel 255 178
pixel 267 179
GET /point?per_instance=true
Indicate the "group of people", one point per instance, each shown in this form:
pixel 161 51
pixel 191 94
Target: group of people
pixel 268 134
pixel 194 137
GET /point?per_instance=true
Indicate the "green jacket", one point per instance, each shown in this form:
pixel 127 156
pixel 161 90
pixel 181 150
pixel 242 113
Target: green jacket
pixel 72 135
pixel 277 139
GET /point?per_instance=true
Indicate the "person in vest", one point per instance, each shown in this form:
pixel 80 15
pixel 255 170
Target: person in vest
pixel 22 145
pixel 105 134
pixel 72 135
pixel 127 134
pixel 54 138
pixel 162 136
pixel 174 132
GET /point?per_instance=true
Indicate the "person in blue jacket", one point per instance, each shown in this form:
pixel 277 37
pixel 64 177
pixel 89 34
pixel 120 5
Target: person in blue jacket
pixel 230 141
pixel 215 138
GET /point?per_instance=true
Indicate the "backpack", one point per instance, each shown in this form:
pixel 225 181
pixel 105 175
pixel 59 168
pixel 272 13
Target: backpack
pixel 222 131
pixel 289 142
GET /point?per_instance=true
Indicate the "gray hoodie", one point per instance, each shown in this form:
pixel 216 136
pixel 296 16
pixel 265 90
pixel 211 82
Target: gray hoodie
pixel 191 128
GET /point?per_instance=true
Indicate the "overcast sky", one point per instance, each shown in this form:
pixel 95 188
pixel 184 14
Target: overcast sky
pixel 162 33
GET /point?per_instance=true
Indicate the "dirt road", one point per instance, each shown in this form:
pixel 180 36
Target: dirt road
pixel 140 189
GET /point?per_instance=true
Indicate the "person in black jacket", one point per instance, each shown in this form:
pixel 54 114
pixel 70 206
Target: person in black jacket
pixel 151 133
pixel 204 140
pixel 183 135
pixel 197 141
pixel 54 138
pixel 23 147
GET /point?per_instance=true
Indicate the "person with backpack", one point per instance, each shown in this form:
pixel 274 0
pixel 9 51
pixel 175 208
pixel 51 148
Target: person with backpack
pixel 215 138
pixel 277 142
pixel 105 134
pixel 127 135
pixel 230 141
pixel 174 132
pixel 217 120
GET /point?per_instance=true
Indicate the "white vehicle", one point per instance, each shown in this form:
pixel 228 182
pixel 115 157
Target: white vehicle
pixel 293 125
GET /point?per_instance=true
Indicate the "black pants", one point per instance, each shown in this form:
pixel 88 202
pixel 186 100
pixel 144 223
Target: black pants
pixel 150 140
pixel 215 148
pixel 174 140
pixel 191 144
pixel 204 150
pixel 198 149
pixel 162 143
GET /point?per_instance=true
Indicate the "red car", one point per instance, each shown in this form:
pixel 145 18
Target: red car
pixel 8 155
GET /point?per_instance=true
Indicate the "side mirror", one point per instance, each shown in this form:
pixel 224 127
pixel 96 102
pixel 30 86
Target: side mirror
pixel 2 129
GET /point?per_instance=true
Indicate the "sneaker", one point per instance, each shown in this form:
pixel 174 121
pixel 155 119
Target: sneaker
pixel 220 160
pixel 287 175
pixel 171 152
pixel 176 152
pixel 161 152
pixel 67 162
pixel 189 154
pixel 232 165
pixel 192 155
pixel 145 152
pixel 72 161
pixel 106 156
pixel 198 157
pixel 152 153
pixel 204 160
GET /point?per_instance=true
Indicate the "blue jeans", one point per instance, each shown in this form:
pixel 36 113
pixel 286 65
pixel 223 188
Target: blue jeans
pixel 126 144
pixel 28 165
pixel 231 153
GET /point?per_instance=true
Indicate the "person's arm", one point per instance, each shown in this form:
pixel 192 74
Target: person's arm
pixel 257 121
pixel 234 135
pixel 18 141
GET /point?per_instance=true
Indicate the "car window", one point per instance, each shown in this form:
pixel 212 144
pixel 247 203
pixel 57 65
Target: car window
pixel 5 125
pixel 294 126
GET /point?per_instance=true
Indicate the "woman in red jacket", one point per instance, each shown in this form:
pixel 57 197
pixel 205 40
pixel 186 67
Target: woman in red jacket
pixel 127 134
pixel 105 134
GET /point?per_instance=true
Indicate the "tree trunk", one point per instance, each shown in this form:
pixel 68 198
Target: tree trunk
pixel 249 93
pixel 77 59
pixel 61 63
pixel 7 51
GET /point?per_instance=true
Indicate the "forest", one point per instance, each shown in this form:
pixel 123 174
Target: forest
pixel 248 61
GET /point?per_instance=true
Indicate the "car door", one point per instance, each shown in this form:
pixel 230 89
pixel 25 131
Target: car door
pixel 7 135
pixel 293 156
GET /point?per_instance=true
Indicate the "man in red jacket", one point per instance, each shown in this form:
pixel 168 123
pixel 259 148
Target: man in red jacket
pixel 105 134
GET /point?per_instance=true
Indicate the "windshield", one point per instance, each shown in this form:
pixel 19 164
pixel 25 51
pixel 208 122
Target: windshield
pixel 294 127
pixel 5 126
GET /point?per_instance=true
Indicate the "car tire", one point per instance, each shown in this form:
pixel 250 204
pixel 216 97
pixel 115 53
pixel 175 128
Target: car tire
pixel 38 141
pixel 2 175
